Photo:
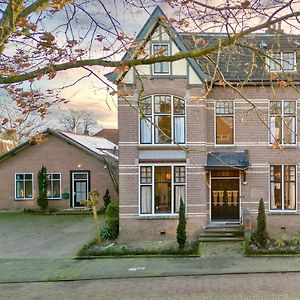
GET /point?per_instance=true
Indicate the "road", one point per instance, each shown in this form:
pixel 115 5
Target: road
pixel 219 287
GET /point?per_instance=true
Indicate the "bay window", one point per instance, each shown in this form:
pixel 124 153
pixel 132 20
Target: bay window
pixel 283 187
pixel 161 188
pixel 283 122
pixel 162 120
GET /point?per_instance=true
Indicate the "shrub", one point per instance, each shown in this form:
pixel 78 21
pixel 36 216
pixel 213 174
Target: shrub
pixel 42 183
pixel 181 227
pixel 261 234
pixel 112 219
pixel 106 199
pixel 105 234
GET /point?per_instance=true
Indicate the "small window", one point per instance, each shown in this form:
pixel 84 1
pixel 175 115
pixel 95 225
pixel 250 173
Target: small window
pixel 282 62
pixel 24 186
pixel 53 186
pixel 224 113
pixel 161 68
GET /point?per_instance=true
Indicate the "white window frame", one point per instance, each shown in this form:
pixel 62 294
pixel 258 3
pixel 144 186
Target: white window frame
pixel 279 68
pixel 226 115
pixel 282 115
pixel 283 210
pixel 55 173
pixel 153 125
pixel 32 181
pixel 173 184
pixel 165 54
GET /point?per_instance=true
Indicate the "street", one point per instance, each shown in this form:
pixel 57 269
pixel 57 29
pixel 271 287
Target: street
pixel 232 286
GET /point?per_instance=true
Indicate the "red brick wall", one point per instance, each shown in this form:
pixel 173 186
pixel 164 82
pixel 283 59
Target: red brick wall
pixel 58 156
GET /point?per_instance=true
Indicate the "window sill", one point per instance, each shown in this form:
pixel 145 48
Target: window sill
pixel 54 199
pixel 285 146
pixel 24 199
pixel 280 213
pixel 155 217
pixel 154 146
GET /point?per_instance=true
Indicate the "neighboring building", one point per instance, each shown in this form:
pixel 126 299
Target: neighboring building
pixel 76 165
pixel 109 134
pixel 214 148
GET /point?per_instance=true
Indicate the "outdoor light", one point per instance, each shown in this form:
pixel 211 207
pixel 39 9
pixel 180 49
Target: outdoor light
pixel 79 165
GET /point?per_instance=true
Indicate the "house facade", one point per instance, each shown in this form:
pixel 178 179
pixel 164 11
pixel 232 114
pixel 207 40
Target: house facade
pixel 76 165
pixel 218 143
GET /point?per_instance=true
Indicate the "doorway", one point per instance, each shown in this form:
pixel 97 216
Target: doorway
pixel 225 196
pixel 80 182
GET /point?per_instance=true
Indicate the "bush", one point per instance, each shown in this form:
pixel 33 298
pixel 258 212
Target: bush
pixel 261 234
pixel 42 183
pixel 181 228
pixel 112 219
pixel 106 199
pixel 105 234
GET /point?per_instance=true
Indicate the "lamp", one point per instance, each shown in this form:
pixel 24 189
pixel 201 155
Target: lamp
pixel 244 177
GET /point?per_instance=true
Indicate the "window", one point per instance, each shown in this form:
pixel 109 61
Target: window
pixel 161 68
pixel 283 122
pixel 23 186
pixel 161 188
pixel 53 187
pixel 282 62
pixel 163 121
pixel 283 187
pixel 224 122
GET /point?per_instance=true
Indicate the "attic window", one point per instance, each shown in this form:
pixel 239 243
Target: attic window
pixel 282 62
pixel 161 68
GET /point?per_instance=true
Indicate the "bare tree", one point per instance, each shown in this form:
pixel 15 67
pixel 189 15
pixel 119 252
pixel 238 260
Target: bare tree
pixel 17 125
pixel 77 121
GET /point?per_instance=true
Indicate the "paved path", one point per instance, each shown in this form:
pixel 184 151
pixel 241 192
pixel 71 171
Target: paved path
pixel 215 287
pixel 28 236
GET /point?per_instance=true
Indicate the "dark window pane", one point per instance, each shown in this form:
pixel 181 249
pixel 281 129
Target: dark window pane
pixel 162 189
pixel 179 107
pixel 162 104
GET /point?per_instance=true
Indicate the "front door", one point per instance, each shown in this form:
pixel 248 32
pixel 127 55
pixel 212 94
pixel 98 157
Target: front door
pixel 80 187
pixel 225 199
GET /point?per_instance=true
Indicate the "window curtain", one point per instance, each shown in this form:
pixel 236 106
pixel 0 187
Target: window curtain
pixel 289 130
pixel 179 193
pixel 146 196
pixel 179 130
pixel 146 130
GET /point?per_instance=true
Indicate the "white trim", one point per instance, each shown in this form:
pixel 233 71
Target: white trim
pixel 280 66
pixel 169 53
pixel 282 210
pixel 32 181
pixel 282 115
pixel 215 124
pixel 154 125
pixel 172 165
pixel 87 185
pixel 57 173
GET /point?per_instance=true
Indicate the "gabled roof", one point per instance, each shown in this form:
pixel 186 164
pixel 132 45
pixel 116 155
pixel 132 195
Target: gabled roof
pixel 144 35
pixel 98 147
pixel 109 134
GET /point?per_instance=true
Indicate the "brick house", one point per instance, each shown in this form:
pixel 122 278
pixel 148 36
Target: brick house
pixel 219 148
pixel 76 165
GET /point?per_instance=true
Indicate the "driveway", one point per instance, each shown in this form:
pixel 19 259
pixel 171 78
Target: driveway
pixel 43 236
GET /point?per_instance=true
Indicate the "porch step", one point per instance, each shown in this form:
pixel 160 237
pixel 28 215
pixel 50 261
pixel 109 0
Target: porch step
pixel 215 233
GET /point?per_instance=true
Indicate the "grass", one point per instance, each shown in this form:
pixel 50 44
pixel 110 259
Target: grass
pixel 143 248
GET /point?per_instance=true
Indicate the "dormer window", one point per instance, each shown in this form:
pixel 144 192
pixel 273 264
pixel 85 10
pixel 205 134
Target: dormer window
pixel 161 68
pixel 282 62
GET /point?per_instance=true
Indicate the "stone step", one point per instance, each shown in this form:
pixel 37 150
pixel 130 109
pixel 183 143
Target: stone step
pixel 216 234
pixel 220 239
